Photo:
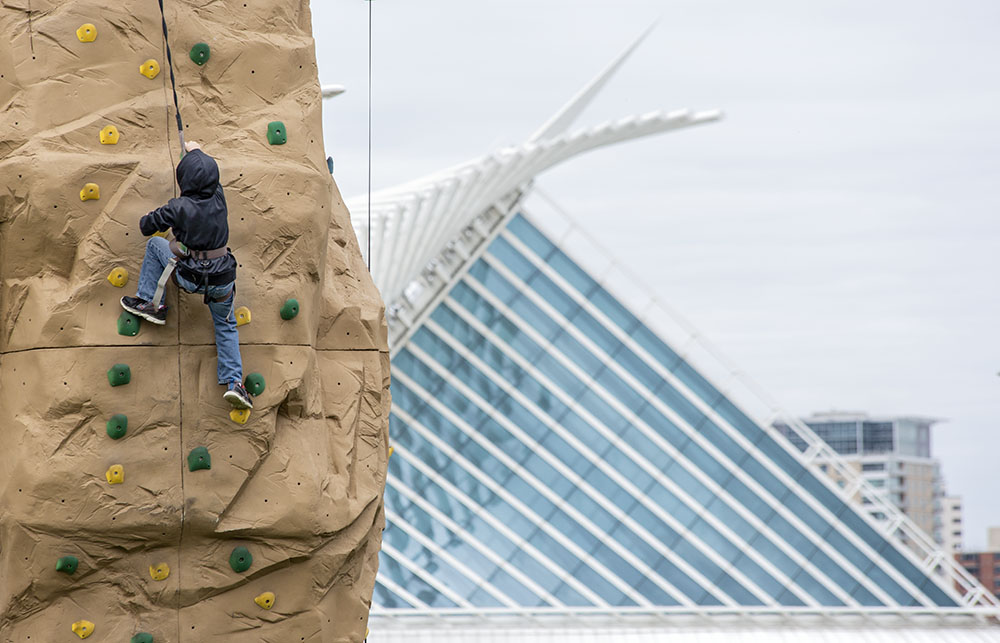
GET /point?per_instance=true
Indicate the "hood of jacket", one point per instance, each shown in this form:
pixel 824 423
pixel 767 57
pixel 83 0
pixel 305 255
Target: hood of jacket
pixel 197 175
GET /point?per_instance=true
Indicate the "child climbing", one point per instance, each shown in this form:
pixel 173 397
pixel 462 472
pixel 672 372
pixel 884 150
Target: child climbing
pixel 204 265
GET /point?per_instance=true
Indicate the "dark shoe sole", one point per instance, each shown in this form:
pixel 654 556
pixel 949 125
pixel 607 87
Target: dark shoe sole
pixel 138 313
pixel 236 400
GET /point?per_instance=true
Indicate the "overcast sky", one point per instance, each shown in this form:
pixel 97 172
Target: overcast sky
pixel 836 234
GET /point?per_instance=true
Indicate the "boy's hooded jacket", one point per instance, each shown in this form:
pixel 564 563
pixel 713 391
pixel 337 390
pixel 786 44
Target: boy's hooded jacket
pixel 199 219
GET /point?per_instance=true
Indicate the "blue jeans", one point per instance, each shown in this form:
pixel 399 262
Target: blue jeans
pixel 227 339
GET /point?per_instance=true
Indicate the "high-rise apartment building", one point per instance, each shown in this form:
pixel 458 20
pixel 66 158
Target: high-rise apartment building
pixel 893 454
pixel 951 524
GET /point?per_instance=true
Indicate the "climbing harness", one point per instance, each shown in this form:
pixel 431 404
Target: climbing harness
pixel 161 284
pixel 180 251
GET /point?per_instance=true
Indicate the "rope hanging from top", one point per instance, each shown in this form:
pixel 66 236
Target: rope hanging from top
pixel 173 82
pixel 369 136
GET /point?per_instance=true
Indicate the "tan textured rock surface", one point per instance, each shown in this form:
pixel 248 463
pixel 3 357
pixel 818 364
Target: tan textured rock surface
pixel 300 485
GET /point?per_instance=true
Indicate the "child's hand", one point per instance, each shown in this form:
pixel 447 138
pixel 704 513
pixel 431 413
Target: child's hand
pixel 191 146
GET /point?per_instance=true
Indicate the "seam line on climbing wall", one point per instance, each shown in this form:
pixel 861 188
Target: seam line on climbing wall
pixel 127 346
pixel 180 389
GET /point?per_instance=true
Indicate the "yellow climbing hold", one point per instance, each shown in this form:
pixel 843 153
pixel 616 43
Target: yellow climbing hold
pixel 109 135
pixel 159 571
pixel 118 277
pixel 239 416
pixel 160 234
pixel 242 316
pixel 90 192
pixel 391 449
pixel 265 600
pixel 87 32
pixel 150 68
pixel 83 629
pixel 115 474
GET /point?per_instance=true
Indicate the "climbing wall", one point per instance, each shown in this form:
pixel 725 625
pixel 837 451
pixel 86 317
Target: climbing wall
pixel 133 506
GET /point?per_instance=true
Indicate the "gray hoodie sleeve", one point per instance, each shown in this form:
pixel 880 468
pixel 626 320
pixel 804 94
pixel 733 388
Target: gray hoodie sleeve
pixel 159 220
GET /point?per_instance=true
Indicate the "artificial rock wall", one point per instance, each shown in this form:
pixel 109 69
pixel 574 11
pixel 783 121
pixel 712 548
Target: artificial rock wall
pixel 299 484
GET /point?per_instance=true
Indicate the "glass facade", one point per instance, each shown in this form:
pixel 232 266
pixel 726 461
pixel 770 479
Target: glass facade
pixel 551 449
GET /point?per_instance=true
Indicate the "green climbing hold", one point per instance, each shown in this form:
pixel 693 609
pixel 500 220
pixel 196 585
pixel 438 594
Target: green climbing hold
pixel 290 309
pixel 119 375
pixel 199 459
pixel 67 565
pixel 240 560
pixel 254 383
pixel 276 134
pixel 200 53
pixel 128 324
pixel 142 637
pixel 117 426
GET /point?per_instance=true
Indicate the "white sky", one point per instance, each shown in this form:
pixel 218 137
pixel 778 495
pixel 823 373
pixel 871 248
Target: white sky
pixel 836 235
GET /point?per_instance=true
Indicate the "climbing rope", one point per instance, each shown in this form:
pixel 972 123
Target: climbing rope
pixel 31 32
pixel 369 136
pixel 173 82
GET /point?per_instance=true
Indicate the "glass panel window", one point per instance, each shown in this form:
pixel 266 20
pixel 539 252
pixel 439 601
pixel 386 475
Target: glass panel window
pixel 530 236
pixel 877 437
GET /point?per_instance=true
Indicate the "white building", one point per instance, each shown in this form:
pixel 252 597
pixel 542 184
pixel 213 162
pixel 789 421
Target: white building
pixel 568 468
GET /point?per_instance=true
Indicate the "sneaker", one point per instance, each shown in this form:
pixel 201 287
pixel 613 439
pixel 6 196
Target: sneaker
pixel 238 396
pixel 145 309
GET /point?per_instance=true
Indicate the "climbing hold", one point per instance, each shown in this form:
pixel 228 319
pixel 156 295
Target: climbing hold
pixel 290 309
pixel 115 474
pixel 329 164
pixel 90 192
pixel 391 449
pixel 199 458
pixel 118 277
pixel 200 53
pixel 240 560
pixel 239 416
pixel 87 32
pixel 83 629
pixel 119 375
pixel 242 316
pixel 142 637
pixel 162 235
pixel 109 135
pixel 150 68
pixel 254 383
pixel 160 571
pixel 67 565
pixel 117 426
pixel 128 324
pixel 265 600
pixel 276 134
